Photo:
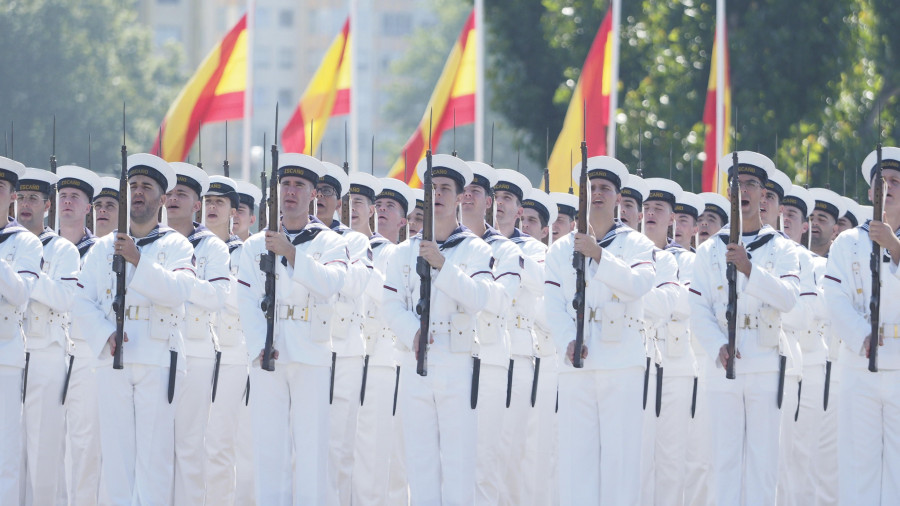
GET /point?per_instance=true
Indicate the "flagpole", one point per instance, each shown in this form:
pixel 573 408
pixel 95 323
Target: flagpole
pixel 479 79
pixel 354 95
pixel 248 95
pixel 614 85
pixel 720 82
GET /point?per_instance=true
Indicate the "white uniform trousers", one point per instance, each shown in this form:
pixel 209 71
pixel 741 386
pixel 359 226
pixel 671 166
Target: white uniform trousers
pixel 374 446
pixel 82 435
pixel 290 434
pixel 671 448
pixel 398 488
pixel 787 450
pixel 869 437
pixel 343 419
pixel 191 418
pixel 245 469
pixel 545 491
pixel 745 422
pixel 600 436
pixel 648 440
pixel 519 440
pixel 698 462
pixel 439 431
pixel 11 443
pixel 45 426
pixel 137 434
pixel 490 453
pixel 826 465
pixel 801 463
pixel 222 435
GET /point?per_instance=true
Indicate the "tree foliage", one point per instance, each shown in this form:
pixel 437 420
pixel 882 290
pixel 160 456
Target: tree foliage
pixel 80 60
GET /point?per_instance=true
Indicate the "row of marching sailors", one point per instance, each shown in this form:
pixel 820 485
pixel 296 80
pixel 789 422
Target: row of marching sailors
pixel 501 417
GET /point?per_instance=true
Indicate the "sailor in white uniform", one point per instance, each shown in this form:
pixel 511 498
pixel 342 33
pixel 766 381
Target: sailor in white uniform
pixel 439 424
pixel 600 405
pixel 137 403
pixel 744 411
pixel 290 404
pixel 20 268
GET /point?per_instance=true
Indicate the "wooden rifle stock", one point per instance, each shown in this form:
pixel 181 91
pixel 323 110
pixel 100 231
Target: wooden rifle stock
pixel 267 261
pixel 423 269
pixel 578 261
pixel 875 263
pixel 734 237
pixel 118 260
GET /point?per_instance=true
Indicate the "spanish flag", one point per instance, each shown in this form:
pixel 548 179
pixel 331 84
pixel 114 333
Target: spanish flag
pixel 214 93
pixel 592 95
pixel 326 95
pixel 718 105
pixel 454 93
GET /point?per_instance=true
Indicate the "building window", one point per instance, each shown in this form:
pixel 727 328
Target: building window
pixel 260 97
pixel 396 24
pixel 286 18
pixel 285 58
pixel 166 33
pixel 262 57
pixel 286 97
pixel 263 17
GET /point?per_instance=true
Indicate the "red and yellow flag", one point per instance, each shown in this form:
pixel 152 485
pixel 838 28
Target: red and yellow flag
pixel 591 94
pixel 214 93
pixel 326 95
pixel 716 148
pixel 454 93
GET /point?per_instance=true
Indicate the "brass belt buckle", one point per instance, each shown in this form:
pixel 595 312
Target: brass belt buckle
pixel 303 314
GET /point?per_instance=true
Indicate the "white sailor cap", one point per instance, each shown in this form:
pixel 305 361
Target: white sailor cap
pixel 635 187
pixel 865 213
pixel 224 187
pixel 154 167
pixel 484 176
pixel 690 204
pixel 829 202
pixel 37 180
pixel 543 203
pixel 663 189
pixel 249 194
pixel 890 159
pixel 566 203
pixel 446 166
pixel 300 165
pixel 364 184
pixel 852 211
pixel 513 182
pixel 778 182
pixel 397 190
pixel 603 167
pixel 109 187
pixel 10 170
pixel 749 162
pixel 715 203
pixel 190 175
pixel 419 195
pixel 335 177
pixel 801 198
pixel 73 176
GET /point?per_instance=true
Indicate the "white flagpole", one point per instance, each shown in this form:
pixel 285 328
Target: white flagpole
pixel 248 95
pixel 720 80
pixel 354 89
pixel 479 79
pixel 614 85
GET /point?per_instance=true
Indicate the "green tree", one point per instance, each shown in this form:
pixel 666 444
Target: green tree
pixel 80 60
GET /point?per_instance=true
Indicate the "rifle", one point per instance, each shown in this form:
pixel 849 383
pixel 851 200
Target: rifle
pixel 118 265
pixel 345 201
pixel 225 165
pixel 491 210
pixel 267 261
pixel 875 258
pixel 263 186
pixel 90 216
pixel 198 216
pixel 51 214
pixel 734 237
pixel 578 261
pixel 423 268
